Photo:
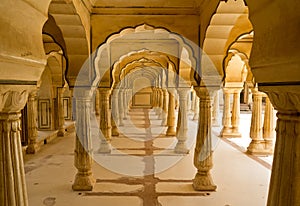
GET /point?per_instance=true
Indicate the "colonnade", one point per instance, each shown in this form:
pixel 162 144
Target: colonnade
pixel 262 130
pixel 164 106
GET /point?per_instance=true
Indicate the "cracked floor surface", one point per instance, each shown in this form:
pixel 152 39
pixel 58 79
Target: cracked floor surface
pixel 143 170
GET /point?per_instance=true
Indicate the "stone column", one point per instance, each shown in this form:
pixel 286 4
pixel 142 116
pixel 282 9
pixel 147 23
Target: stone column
pixel 203 150
pixel 171 114
pixel 97 102
pixel 115 113
pixel 182 126
pixel 84 180
pixel 189 102
pixel 285 178
pixel 154 98
pixel 235 118
pixel 158 102
pixel 196 107
pixel 105 121
pixel 226 131
pixel 257 144
pixel 216 110
pixel 121 107
pixel 61 112
pixel 13 190
pixel 165 107
pixel 32 147
pixel 161 103
pixel 268 127
pixel 125 108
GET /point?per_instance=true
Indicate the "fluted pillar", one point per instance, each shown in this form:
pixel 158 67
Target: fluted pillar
pixel 257 144
pixel 97 102
pixel 226 131
pixel 125 103
pixel 32 111
pixel 196 107
pixel 13 190
pixel 203 150
pixel 158 102
pixel 182 124
pixel 115 114
pixel 61 113
pixel 235 118
pixel 285 178
pixel 161 104
pixel 171 114
pixel 105 121
pixel 121 107
pixel 165 107
pixel 216 110
pixel 84 180
pixel 189 102
pixel 268 127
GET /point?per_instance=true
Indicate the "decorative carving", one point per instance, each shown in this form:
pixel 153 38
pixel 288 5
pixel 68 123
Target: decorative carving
pixel 13 101
pixel 285 101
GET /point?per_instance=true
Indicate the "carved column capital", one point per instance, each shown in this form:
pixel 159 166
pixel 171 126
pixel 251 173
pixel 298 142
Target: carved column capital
pixel 285 101
pixel 13 101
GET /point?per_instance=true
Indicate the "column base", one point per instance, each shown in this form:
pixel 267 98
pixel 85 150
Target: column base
pixel 170 131
pixel 203 182
pixel 228 133
pixel 181 148
pixel 114 131
pixel 215 123
pixel 104 148
pixel 257 147
pixel 163 122
pixel 32 149
pixel 61 133
pixel 83 183
pixel 195 117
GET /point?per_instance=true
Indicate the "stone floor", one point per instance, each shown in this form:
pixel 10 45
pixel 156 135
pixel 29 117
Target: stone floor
pixel 143 170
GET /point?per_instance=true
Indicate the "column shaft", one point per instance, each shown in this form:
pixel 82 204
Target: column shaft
pixel 165 107
pixel 121 107
pixel 32 147
pixel 115 113
pixel 235 118
pixel 182 126
pixel 226 131
pixel 268 127
pixel 216 110
pixel 171 115
pixel 196 107
pixel 105 121
pixel 61 113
